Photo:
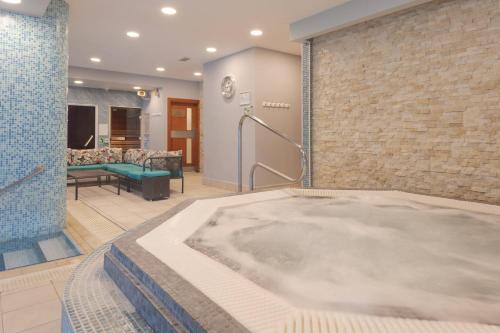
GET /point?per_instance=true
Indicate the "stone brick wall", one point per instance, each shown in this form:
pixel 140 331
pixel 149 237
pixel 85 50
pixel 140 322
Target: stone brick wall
pixel 411 101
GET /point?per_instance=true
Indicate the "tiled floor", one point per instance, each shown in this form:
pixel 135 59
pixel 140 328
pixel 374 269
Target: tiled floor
pixel 30 297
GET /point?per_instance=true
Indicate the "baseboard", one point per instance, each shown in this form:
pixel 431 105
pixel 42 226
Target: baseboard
pixel 233 187
pixel 229 186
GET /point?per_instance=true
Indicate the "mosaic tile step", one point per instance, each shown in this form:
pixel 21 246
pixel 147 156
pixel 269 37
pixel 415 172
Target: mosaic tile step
pixel 57 248
pixel 31 251
pixel 147 305
pixel 93 303
pixel 20 258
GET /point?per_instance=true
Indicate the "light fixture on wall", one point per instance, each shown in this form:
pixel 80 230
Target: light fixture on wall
pixel 95 59
pixel 160 69
pixel 78 82
pixel 12 2
pixel 197 74
pixel 137 88
pixel 211 49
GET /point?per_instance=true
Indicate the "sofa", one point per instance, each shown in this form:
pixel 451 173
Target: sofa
pixel 152 170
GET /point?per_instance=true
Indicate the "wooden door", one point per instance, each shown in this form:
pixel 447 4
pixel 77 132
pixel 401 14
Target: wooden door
pixel 183 123
pixel 81 127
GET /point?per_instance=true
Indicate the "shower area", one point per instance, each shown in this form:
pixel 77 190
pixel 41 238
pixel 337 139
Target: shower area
pixel 33 137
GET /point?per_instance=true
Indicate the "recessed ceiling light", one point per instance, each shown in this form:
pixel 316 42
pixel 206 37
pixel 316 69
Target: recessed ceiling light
pixel 211 49
pixel 256 32
pixel 160 69
pixel 78 82
pixel 197 74
pixel 137 88
pixel 169 11
pixel 133 34
pixel 13 2
pixel 95 59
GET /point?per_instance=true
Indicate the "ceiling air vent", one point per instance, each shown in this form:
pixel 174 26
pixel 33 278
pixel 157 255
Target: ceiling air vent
pixel 185 59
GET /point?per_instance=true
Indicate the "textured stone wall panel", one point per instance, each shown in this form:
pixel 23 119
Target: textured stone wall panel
pixel 411 102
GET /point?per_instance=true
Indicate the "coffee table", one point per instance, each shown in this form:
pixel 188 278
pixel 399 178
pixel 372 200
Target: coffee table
pixel 78 175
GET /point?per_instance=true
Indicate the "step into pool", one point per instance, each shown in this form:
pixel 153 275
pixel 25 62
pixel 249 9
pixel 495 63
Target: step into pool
pixel 31 251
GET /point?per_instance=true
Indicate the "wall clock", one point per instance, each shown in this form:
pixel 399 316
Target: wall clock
pixel 228 86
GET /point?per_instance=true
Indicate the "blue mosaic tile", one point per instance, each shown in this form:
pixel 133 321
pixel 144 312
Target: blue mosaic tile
pixel 33 121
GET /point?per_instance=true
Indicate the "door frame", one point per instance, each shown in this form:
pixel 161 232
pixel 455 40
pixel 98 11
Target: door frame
pixel 124 107
pixel 96 113
pixel 170 101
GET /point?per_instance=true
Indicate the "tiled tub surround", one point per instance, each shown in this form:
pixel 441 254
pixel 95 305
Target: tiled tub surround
pixel 161 274
pixel 411 102
pixel 36 250
pixel 33 81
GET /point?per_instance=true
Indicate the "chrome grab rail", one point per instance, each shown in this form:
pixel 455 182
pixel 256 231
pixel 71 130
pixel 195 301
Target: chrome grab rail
pixel 36 171
pixel 251 182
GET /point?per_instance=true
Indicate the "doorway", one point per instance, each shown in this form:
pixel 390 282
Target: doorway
pixel 82 126
pixel 183 130
pixel 125 127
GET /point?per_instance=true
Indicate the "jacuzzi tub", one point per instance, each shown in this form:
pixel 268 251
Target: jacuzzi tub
pixel 225 249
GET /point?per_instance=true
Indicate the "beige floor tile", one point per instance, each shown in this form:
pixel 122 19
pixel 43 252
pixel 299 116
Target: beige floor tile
pixel 1 323
pixel 24 298
pixel 30 317
pixel 59 287
pixel 99 216
pixel 52 327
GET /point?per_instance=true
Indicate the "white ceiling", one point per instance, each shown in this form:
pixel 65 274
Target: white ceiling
pixel 106 85
pixel 28 7
pixel 97 29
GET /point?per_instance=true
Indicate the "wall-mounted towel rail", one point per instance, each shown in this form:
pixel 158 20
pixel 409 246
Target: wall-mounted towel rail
pixel 36 171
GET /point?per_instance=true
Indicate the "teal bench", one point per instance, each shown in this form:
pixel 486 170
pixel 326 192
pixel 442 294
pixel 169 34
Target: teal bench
pixel 153 176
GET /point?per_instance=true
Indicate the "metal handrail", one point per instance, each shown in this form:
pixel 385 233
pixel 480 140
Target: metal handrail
pixel 251 182
pixel 36 171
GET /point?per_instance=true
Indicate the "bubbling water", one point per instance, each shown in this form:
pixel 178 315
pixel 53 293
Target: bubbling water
pixel 364 254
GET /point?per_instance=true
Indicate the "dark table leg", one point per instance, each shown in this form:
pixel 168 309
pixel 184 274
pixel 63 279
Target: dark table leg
pixel 99 180
pixel 76 188
pixel 118 185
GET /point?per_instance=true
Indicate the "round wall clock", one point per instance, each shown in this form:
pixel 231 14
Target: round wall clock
pixel 228 86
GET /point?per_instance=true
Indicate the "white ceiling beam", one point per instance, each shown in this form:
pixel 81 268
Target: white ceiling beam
pixel 349 13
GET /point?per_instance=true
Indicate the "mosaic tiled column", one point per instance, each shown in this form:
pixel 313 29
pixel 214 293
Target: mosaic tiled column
pixel 33 121
pixel 306 108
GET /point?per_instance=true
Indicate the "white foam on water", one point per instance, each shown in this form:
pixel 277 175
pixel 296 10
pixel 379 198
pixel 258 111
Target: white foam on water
pixel 365 254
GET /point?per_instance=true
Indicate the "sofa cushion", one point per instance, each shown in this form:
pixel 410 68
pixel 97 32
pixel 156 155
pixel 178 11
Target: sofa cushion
pixel 87 157
pixel 69 156
pixel 139 174
pixel 135 156
pixel 167 153
pixel 86 167
pixel 112 155
pixel 122 168
pixel 135 171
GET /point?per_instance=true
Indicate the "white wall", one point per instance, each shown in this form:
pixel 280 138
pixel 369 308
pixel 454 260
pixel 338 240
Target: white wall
pixel 278 79
pixel 268 76
pixel 221 118
pixel 157 105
